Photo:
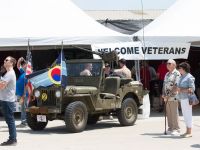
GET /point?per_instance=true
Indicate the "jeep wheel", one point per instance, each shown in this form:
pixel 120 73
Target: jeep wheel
pixel 93 119
pixel 33 123
pixel 127 115
pixel 76 116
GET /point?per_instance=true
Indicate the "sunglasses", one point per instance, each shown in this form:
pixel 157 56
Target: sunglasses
pixel 6 60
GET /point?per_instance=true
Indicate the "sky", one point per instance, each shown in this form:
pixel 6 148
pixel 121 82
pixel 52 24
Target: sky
pixel 123 4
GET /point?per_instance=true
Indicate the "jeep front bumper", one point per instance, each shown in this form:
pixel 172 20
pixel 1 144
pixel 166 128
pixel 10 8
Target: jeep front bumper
pixel 42 110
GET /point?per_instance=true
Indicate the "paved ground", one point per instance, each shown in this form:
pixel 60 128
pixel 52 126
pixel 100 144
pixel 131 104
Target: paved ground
pixel 106 135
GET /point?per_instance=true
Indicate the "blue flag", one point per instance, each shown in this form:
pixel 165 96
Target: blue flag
pixel 63 67
pixel 57 74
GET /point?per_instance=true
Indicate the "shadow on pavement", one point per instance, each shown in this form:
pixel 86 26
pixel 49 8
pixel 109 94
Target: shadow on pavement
pixel 195 145
pixel 103 125
pixel 162 135
pixel 61 129
pixel 48 130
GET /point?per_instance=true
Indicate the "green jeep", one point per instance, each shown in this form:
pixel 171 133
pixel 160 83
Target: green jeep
pixel 85 98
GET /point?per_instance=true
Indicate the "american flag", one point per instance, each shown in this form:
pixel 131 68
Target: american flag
pixel 29 70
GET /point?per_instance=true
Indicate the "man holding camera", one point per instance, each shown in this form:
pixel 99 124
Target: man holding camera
pixel 21 89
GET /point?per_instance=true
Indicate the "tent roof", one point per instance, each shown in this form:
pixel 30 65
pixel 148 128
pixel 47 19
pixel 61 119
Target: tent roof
pixel 48 22
pixel 179 23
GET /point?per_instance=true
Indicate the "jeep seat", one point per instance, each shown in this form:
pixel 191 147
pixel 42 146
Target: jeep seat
pixel 125 81
pixel 111 86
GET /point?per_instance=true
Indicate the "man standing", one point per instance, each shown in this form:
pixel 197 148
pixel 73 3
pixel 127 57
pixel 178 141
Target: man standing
pixel 21 92
pixel 7 96
pixel 168 94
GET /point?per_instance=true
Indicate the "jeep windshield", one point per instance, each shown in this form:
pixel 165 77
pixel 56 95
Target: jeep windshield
pixel 84 69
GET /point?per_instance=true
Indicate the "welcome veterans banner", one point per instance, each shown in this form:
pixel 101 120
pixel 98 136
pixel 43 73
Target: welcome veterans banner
pixel 149 51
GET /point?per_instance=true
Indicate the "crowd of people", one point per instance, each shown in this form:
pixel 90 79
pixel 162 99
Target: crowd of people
pixel 175 84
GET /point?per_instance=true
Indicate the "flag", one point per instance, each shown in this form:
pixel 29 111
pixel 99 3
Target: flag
pixel 56 75
pixel 40 78
pixel 63 75
pixel 29 70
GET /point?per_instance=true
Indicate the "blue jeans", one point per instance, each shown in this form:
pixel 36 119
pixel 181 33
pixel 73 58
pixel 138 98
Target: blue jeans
pixel 23 110
pixel 8 111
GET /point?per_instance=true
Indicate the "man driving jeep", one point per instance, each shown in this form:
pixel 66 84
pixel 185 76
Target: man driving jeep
pixel 87 70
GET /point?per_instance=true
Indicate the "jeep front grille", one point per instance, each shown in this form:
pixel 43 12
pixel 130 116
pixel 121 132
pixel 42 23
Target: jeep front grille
pixel 47 98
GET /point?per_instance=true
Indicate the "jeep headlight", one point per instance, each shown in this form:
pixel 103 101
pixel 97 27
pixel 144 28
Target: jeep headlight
pixel 37 93
pixel 58 94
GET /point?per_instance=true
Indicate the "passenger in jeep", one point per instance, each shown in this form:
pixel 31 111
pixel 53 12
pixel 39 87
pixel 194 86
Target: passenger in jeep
pixel 87 70
pixel 123 72
pixel 107 70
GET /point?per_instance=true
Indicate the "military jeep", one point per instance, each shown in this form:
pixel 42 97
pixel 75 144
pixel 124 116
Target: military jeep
pixel 85 98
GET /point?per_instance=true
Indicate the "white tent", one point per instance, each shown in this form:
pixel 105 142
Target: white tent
pixel 49 22
pixel 180 23
pixel 169 35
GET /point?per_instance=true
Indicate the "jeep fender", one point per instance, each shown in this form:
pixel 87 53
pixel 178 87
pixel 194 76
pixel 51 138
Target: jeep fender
pixel 87 99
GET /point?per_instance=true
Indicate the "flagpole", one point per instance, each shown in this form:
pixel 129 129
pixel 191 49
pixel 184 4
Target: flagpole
pixel 25 85
pixel 62 45
pixel 24 102
pixel 28 52
pixel 29 69
pixel 61 64
pixel 61 69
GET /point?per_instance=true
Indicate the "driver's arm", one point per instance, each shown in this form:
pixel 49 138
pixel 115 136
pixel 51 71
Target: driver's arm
pixel 118 71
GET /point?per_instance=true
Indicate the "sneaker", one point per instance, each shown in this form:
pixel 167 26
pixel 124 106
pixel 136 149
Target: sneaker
pixel 169 131
pixel 179 130
pixel 22 125
pixel 9 143
pixel 175 132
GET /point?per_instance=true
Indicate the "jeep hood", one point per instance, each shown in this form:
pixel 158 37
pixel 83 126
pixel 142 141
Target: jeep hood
pixel 71 90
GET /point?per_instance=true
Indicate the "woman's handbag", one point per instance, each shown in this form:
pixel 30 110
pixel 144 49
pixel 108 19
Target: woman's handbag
pixel 193 99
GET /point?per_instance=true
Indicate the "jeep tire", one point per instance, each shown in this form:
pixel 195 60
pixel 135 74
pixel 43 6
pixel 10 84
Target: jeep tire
pixel 33 123
pixel 127 115
pixel 76 116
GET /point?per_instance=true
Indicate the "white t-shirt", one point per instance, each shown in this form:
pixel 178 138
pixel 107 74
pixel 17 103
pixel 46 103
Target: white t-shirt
pixel 8 93
pixel 86 72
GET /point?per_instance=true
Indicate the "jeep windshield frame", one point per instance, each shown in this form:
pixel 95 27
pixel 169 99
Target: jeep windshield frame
pixel 76 67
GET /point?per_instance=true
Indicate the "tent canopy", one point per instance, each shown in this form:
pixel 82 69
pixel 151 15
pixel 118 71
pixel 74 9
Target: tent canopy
pixel 180 23
pixel 48 22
